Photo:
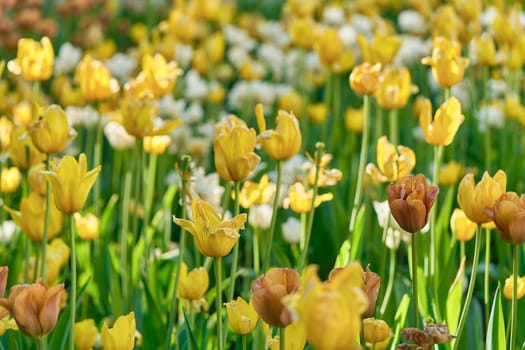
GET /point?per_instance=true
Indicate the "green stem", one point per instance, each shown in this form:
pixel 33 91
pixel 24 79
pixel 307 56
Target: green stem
pixel 124 232
pixel 97 161
pixel 267 255
pixel 414 279
pixel 394 132
pixel 73 292
pixel 182 247
pixel 42 344
pixel 256 255
pixel 137 157
pixel 282 338
pixel 362 163
pixel 243 339
pixel 438 154
pixel 514 314
pixel 486 293
pixel 447 93
pixel 149 188
pixel 470 292
pixel 218 300
pixel 46 221
pixel 390 283
pixel 233 274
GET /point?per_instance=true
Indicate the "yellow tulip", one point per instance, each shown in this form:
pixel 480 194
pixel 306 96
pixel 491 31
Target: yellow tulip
pixel 295 338
pixel 88 227
pixel 364 78
pixel 215 46
pixel 22 151
pixel 302 8
pixel 86 333
pixel 253 193
pixel 354 119
pixel 156 144
pixel 393 164
pixel 446 22
pixel 475 199
pixel 301 32
pixel 193 285
pixel 382 49
pixel 318 113
pixel 291 101
pixel 215 237
pixel 2 66
pixel 328 45
pixel 461 226
pixel 325 177
pixel 34 60
pixel 122 335
pixel 485 50
pixel 51 132
pixel 57 256
pixel 502 28
pixel 376 332
pixel 95 80
pixel 6 127
pixel 509 283
pixel 508 213
pixel 394 88
pixel 23 113
pixel 331 311
pixel 447 120
pixel 449 173
pixel 233 148
pixel 31 217
pixel 284 141
pixel 242 316
pixel 71 182
pixel 448 67
pixel 10 179
pixel 300 200
pixel 513 106
pixel 36 179
pixel 158 76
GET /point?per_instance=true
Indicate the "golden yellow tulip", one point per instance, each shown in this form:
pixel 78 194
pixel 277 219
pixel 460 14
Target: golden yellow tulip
pixel 295 337
pixel 57 256
pixel 242 316
pixel 158 76
pixel 284 141
pixel 193 285
pixel 10 179
pixel 88 226
pixel 71 182
pixel 447 120
pixel 449 173
pixel 461 226
pixel 382 49
pixel 394 88
pixel 95 80
pixel 354 119
pixel 214 236
pixel 508 213
pixel 31 217
pixel 474 199
pixel 291 101
pixel 318 112
pixel 6 127
pixel 376 332
pixel 156 144
pixel 122 335
pixel 300 200
pixel 507 288
pixel 86 333
pixel 364 78
pixel 34 60
pixel 331 311
pixel 302 32
pixel 392 164
pixel 253 193
pixel 215 47
pixel 448 67
pixel 302 8
pixel 485 50
pixel 233 148
pixel 328 46
pixel 34 307
pixel 51 132
pixel 22 151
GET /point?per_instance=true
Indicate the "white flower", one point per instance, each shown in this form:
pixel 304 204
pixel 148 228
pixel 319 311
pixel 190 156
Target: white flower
pixel 417 132
pixel 274 33
pixel 196 87
pixel 462 92
pixel 334 15
pixel 194 113
pixel 81 116
pixel 348 35
pixel 488 16
pixel 183 55
pixel 238 56
pixel 170 108
pixel 121 66
pixel 363 24
pixel 412 50
pixel 236 36
pixel 412 22
pixel 394 233
pixel 67 59
pixel 291 229
pixel 117 136
pixel 274 58
pixel 7 229
pixel 492 116
pixel 207 187
pixel 260 216
pixel 497 88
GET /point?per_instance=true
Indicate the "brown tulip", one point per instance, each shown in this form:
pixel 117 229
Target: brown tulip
pixel 410 201
pixel 508 214
pixel 268 292
pixel 34 307
pixel 3 279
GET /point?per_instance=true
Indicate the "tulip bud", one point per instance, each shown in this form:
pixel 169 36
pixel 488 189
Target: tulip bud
pixel 22 150
pixel 394 88
pixel 364 78
pixel 36 178
pixel 95 80
pixel 376 331
pixel 10 180
pixel 448 67
pixel 268 292
pixel 86 333
pixel 509 283
pixel 354 119
pixel 122 335
pixel 87 226
pixel 51 132
pixel 193 285
pixel 156 144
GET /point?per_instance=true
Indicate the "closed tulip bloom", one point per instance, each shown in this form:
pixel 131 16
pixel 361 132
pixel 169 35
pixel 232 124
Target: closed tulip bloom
pixel 449 173
pixel 318 112
pixel 448 67
pixel 507 289
pixel 122 335
pixel 295 337
pixel 156 144
pixel 300 200
pixel 22 151
pixel 193 285
pixel 447 120
pixel 410 201
pixel 475 198
pixel 284 141
pixel 393 162
pixel 34 307
pixel 242 316
pixel 11 179
pixel 158 76
pixel 328 46
pixel 31 217
pixel 268 292
pixel 253 193
pixel 51 132
pixel 371 285
pixel 139 115
pixel 71 182
pixel 34 60
pixel 86 333
pixel 461 226
pixel 394 88
pixel 234 147
pixel 215 236
pixel 301 32
pixel 215 47
pixel 6 127
pixel 485 50
pixel 508 213
pixel 331 311
pixel 95 80
pixel 364 78
pixel 88 226
pixel 376 332
pixel 382 49
pixel 354 119
pixel 36 178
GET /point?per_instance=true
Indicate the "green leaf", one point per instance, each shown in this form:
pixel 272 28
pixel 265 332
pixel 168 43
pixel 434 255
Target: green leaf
pixel 454 297
pixel 349 251
pixel 496 327
pixel 107 214
pixel 399 320
pixel 191 337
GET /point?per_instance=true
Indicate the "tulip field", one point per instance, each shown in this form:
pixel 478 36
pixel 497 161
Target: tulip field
pixel 278 174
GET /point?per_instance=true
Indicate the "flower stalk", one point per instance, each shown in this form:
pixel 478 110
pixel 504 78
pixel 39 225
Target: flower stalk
pixel 267 253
